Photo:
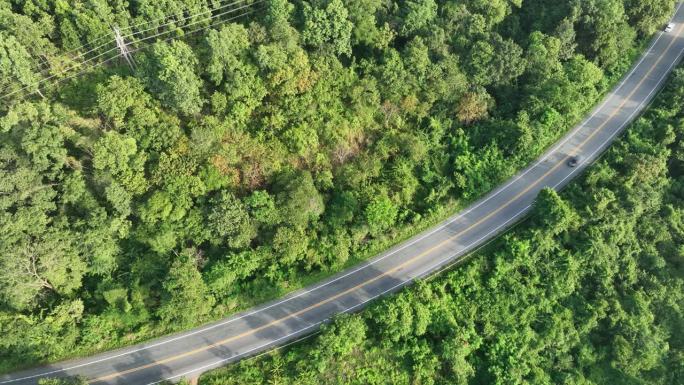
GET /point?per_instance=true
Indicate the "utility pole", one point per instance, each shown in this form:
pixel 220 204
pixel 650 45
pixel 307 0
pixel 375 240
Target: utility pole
pixel 123 48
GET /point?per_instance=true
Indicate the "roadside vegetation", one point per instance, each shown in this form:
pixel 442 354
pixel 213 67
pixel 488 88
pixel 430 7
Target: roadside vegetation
pixel 588 290
pixel 234 164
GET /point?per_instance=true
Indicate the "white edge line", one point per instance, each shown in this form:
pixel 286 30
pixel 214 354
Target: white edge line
pixel 427 271
pixel 464 250
pixel 442 261
pixel 402 247
pixel 630 118
pixel 219 362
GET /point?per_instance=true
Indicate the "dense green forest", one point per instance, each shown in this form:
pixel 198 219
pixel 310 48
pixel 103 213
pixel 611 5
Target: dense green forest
pixel 235 163
pixel 588 290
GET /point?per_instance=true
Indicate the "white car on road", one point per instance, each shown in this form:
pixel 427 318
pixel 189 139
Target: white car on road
pixel 669 27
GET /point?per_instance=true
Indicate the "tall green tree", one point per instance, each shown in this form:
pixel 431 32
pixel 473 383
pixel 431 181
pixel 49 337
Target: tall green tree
pixel 603 30
pixel 299 200
pixel 648 15
pixel 230 222
pixel 381 214
pixel 416 15
pixel 170 72
pixel 17 74
pixel 119 169
pixel 186 297
pixel 327 26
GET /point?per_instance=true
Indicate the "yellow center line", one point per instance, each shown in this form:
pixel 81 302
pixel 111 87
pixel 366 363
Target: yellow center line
pixel 402 265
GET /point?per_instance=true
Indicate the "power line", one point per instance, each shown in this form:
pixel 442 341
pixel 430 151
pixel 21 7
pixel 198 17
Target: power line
pixel 207 19
pixel 213 24
pixel 78 65
pixel 113 40
pixel 190 17
pixel 112 58
pixel 46 62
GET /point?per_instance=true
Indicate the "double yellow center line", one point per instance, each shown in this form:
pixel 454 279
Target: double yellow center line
pixel 404 264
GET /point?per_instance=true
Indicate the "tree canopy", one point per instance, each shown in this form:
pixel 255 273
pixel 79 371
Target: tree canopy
pixel 587 290
pixel 239 157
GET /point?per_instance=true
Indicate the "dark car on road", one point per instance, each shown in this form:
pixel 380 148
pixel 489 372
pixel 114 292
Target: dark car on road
pixel 574 161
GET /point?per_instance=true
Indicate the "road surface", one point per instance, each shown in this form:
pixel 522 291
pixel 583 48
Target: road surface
pixel 190 353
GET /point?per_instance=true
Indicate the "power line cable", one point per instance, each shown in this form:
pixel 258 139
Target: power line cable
pixel 138 41
pixel 211 25
pixel 110 59
pixel 186 18
pixel 113 40
pixel 203 20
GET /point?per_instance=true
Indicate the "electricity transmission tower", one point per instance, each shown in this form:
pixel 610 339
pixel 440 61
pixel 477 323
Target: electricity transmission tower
pixel 123 48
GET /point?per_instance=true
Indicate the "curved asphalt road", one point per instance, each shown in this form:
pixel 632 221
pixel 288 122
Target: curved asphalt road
pixel 191 353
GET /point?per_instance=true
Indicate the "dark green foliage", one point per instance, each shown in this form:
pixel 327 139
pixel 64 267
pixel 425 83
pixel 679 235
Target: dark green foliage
pixel 229 221
pixel 16 69
pixel 185 297
pixel 587 291
pixel 169 71
pixel 647 15
pixel 299 202
pixel 381 213
pixel 235 162
pixel 552 213
pixel 328 27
